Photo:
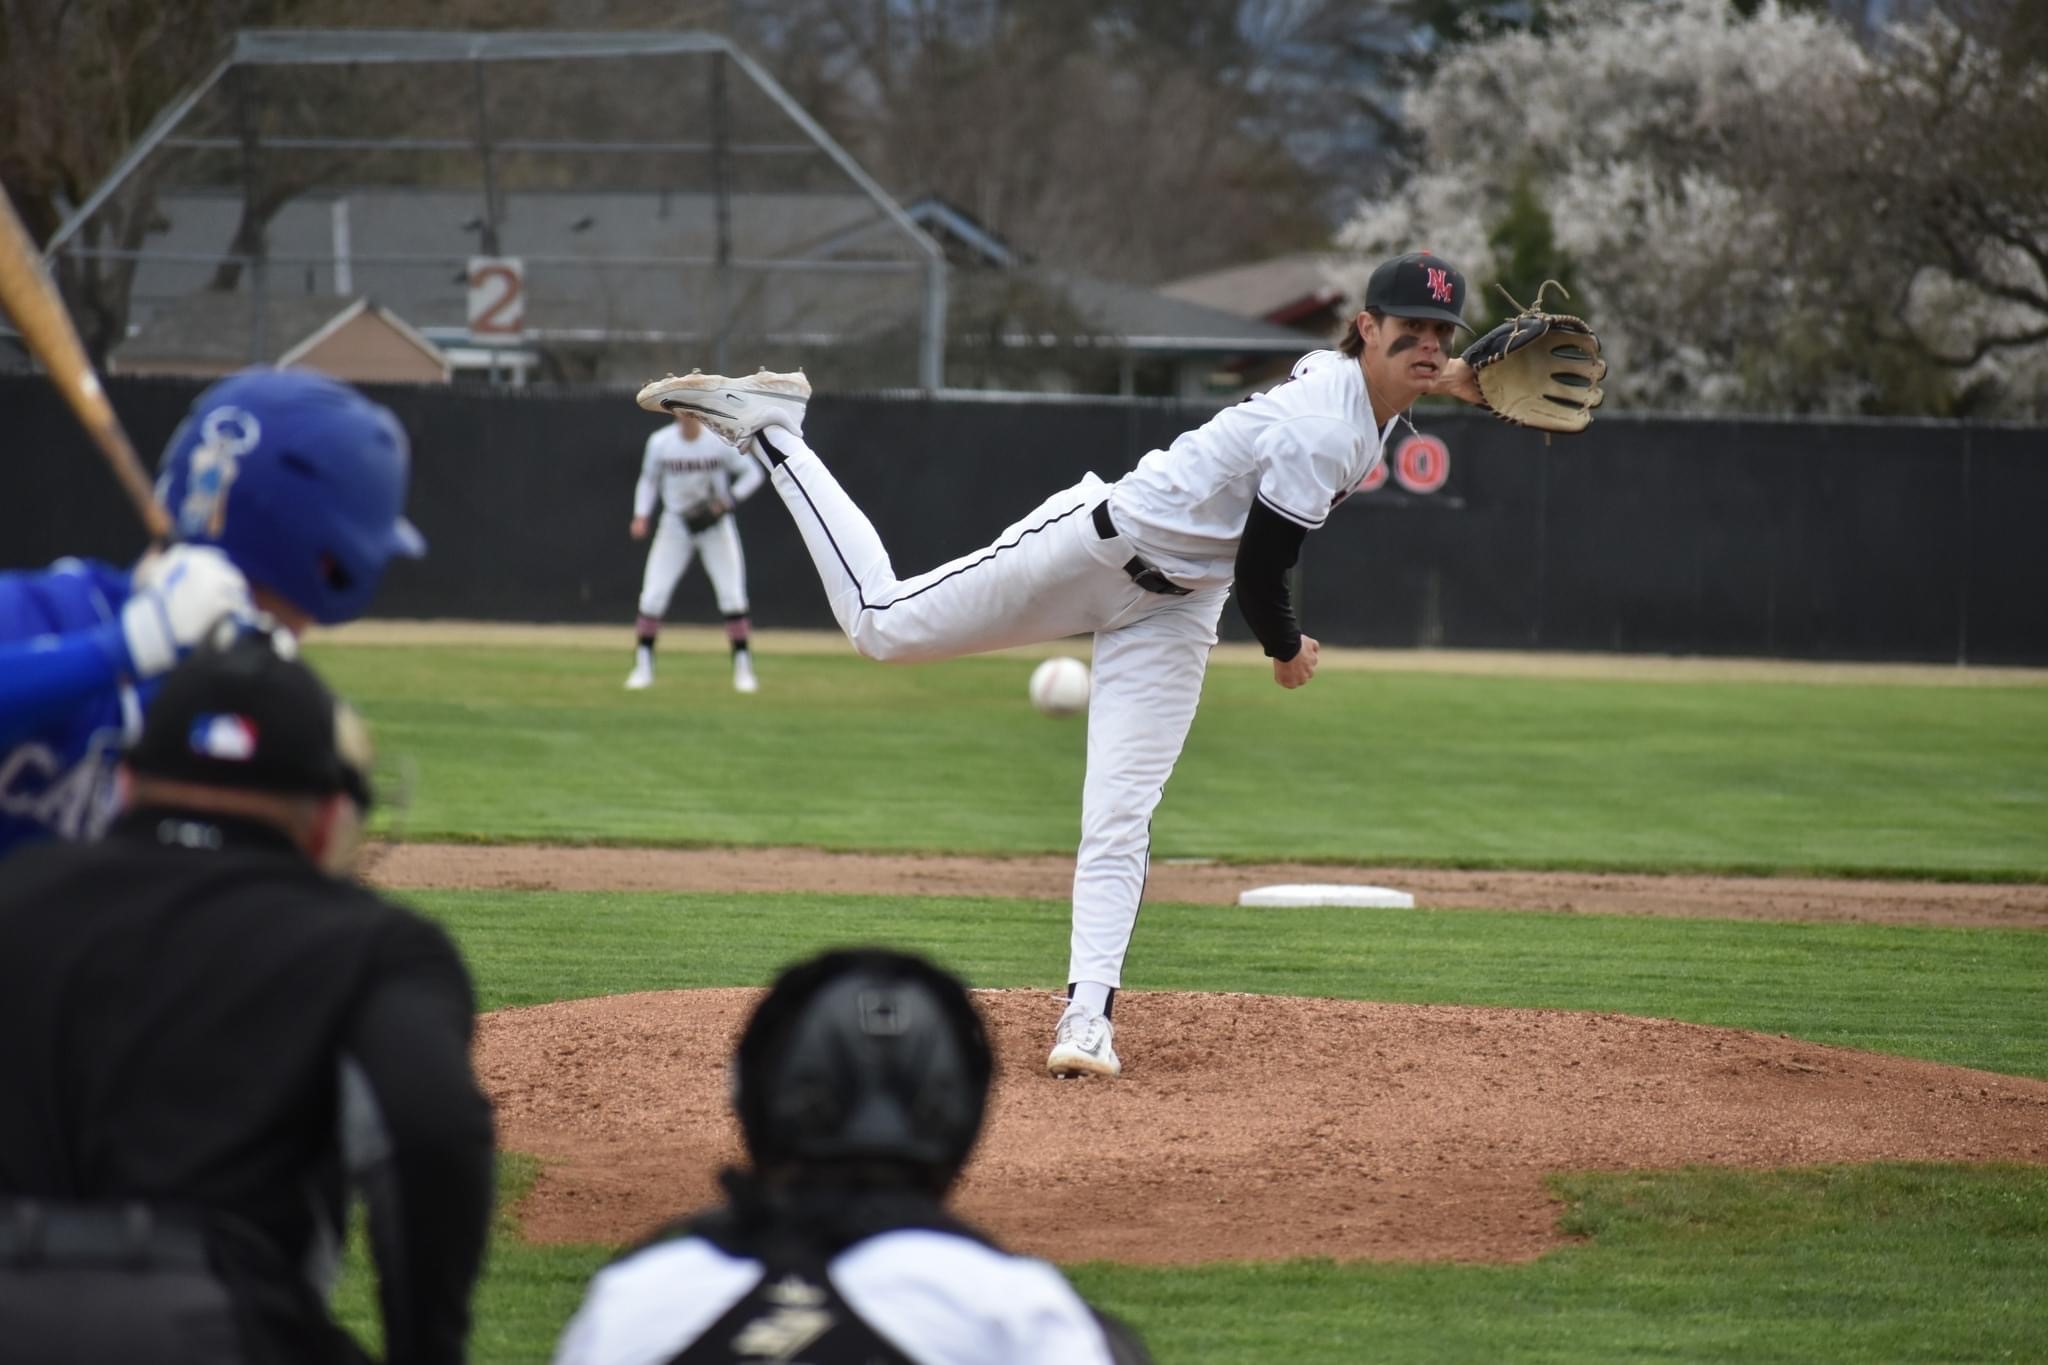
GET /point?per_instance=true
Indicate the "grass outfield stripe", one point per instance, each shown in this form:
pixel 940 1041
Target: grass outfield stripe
pixel 1880 1264
pixel 1380 768
pixel 1970 997
pixel 1890 1263
pixel 1743 772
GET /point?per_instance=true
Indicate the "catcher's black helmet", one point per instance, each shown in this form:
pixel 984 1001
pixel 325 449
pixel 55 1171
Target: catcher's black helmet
pixel 863 1056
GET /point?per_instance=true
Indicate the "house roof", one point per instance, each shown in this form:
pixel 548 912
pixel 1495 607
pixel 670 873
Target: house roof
pixel 213 327
pixel 944 220
pixel 959 234
pixel 405 331
pixel 1262 289
pixel 621 266
pixel 1145 320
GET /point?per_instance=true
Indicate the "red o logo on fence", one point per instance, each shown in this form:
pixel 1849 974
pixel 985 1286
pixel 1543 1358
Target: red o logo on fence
pixel 1374 477
pixel 1422 464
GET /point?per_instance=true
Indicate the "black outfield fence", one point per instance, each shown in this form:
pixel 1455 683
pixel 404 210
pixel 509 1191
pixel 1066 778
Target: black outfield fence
pixel 1794 539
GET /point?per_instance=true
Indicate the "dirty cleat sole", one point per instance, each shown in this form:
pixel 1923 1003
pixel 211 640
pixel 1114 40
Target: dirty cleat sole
pixel 735 408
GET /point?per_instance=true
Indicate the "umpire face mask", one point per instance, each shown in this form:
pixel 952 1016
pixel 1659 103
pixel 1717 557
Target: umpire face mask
pixel 243 727
pixel 339 830
pixel 336 838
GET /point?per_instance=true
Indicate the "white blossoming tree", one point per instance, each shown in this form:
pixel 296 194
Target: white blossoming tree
pixel 1754 212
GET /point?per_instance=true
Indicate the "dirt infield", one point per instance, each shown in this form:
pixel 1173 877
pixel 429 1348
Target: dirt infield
pixel 1254 1127
pixel 544 868
pixel 1674 668
pixel 1246 1127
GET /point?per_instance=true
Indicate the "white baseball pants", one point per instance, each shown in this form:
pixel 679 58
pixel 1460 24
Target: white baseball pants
pixel 1047 576
pixel 668 559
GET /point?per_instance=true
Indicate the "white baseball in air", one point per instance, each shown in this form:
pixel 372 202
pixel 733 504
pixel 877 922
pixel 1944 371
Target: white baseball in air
pixel 1059 686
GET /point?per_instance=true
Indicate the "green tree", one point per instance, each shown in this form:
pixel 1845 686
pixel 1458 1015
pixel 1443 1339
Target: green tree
pixel 79 82
pixel 1525 253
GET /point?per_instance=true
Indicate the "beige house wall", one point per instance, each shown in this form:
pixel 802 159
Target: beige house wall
pixel 366 350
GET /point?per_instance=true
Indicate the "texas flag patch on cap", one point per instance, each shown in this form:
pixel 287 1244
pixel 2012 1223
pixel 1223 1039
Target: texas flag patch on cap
pixel 230 738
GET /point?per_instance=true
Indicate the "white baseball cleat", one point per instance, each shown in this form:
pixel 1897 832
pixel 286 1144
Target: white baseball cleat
pixel 743 679
pixel 641 678
pixel 1081 1046
pixel 734 408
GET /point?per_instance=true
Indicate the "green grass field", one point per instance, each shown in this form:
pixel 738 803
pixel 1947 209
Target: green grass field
pixel 1971 997
pixel 1872 1263
pixel 1360 767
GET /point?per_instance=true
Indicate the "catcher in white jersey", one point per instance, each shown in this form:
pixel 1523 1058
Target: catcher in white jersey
pixel 698 480
pixel 860 1085
pixel 1144 564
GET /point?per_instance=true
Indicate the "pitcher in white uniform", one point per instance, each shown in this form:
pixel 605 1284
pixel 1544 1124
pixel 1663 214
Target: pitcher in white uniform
pixel 697 480
pixel 1143 564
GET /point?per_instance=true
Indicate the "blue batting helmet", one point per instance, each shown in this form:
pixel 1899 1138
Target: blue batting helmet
pixel 300 480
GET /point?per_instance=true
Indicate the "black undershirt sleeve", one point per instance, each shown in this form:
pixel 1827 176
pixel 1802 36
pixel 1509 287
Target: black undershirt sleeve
pixel 430 1200
pixel 1270 547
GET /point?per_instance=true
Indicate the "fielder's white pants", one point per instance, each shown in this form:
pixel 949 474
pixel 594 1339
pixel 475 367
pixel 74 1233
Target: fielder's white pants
pixel 1047 576
pixel 668 559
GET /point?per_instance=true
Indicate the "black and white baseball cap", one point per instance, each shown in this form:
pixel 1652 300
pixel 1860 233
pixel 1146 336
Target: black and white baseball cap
pixel 1420 284
pixel 243 711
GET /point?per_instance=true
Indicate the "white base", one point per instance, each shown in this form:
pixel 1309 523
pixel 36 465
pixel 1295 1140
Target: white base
pixel 1299 893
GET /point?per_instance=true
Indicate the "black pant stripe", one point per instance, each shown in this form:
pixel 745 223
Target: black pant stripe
pixel 866 605
pixel 1144 881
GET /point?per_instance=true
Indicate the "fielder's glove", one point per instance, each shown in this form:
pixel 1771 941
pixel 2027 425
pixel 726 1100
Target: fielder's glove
pixel 1540 369
pixel 702 516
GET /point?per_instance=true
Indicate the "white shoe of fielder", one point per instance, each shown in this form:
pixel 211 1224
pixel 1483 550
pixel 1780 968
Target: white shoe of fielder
pixel 641 678
pixel 743 679
pixel 734 408
pixel 1081 1046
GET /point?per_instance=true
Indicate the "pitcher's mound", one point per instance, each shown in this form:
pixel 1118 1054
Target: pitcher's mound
pixel 1253 1127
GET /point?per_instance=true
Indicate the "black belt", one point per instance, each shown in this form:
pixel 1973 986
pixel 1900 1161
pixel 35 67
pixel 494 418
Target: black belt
pixel 35 1234
pixel 1143 574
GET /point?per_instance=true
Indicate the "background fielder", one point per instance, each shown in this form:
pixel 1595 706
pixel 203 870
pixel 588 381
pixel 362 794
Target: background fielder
pixel 1143 565
pixel 698 479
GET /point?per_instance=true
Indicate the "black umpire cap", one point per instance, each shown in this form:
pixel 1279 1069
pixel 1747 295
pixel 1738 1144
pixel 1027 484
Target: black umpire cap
pixel 1421 284
pixel 242 711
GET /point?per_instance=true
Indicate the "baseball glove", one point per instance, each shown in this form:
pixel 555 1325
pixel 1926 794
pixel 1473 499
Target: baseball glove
pixel 1540 369
pixel 702 516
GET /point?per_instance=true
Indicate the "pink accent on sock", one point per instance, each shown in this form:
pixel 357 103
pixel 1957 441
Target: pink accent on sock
pixel 647 627
pixel 736 629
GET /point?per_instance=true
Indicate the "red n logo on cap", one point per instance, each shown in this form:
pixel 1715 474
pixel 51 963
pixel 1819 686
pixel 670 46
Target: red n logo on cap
pixel 1439 283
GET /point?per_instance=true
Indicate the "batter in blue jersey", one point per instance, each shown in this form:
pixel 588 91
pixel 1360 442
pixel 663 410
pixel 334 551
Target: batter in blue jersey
pixel 286 492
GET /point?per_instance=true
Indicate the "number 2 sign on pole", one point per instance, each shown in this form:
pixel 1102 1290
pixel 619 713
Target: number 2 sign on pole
pixel 497 299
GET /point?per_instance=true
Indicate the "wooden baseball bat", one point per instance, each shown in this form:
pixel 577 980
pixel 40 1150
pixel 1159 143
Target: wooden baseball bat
pixel 30 297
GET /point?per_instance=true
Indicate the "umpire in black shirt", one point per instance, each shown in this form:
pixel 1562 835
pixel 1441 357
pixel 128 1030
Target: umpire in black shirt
pixel 209 1038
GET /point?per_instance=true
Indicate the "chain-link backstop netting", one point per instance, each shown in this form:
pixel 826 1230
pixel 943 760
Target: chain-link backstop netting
pixel 661 202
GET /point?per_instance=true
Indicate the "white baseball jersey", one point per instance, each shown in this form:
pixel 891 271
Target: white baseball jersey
pixel 1300 448
pixel 938 1298
pixel 1060 571
pixel 685 472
